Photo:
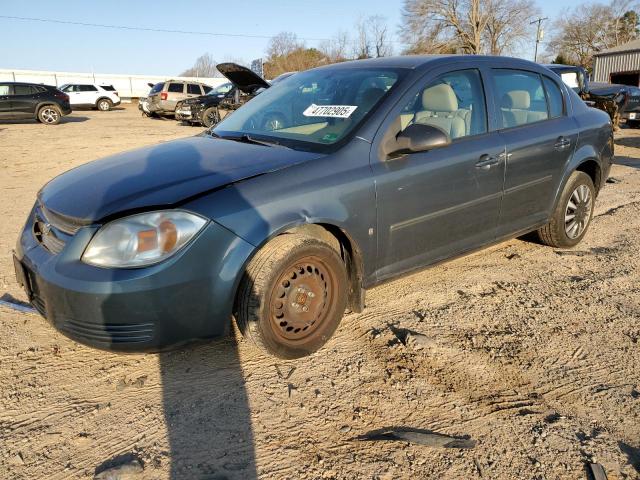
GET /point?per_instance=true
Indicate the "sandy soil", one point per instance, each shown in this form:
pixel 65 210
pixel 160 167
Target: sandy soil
pixel 531 352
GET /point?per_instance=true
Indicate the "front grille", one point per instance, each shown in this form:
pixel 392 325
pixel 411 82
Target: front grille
pixel 107 333
pixel 68 225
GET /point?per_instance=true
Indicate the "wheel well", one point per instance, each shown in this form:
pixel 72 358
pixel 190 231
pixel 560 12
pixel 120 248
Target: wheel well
pixel 349 252
pixel 103 98
pixel 591 168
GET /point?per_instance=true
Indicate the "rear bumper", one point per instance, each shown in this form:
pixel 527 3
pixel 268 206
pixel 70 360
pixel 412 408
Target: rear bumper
pixel 187 298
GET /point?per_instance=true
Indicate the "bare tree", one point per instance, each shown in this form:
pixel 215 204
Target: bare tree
pixel 590 28
pixel 286 54
pixel 464 26
pixel 361 46
pixel 336 48
pixel 508 25
pixel 379 32
pixel 205 66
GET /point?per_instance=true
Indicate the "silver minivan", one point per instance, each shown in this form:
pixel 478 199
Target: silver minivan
pixel 164 96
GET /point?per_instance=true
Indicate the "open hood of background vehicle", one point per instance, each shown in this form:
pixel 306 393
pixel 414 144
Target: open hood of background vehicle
pixel 160 176
pixel 243 78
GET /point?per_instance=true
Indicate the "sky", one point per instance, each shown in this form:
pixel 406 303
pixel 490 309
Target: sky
pixel 37 45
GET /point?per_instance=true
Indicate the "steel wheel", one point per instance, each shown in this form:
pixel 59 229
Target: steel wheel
pixel 49 115
pixel 300 298
pixel 578 212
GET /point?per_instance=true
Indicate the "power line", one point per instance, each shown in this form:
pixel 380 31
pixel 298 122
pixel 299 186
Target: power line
pixel 143 29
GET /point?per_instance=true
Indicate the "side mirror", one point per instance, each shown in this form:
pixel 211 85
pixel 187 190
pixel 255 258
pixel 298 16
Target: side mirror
pixel 420 138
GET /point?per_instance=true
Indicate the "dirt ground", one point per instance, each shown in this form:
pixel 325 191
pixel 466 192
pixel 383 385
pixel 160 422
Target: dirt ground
pixel 531 352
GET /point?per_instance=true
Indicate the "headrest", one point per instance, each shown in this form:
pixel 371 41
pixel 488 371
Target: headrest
pixel 439 98
pixel 518 99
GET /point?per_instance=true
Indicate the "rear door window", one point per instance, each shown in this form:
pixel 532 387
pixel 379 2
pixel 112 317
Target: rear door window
pixel 521 97
pixel 194 89
pixel 23 90
pixel 176 87
pixel 87 88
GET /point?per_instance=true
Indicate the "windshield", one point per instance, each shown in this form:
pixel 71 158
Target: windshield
pixel 224 88
pixel 311 110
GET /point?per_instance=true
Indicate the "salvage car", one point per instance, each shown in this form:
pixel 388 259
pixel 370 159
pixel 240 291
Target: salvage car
pixel 619 101
pixel 379 167
pixel 213 107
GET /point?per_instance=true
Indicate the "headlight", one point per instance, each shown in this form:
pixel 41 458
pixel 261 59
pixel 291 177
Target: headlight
pixel 142 239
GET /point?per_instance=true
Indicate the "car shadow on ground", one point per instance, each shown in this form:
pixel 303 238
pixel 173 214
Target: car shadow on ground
pixel 207 413
pixel 205 402
pixel 67 119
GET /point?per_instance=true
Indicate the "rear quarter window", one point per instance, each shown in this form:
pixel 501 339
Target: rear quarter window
pixel 554 96
pixel 157 87
pixel 108 87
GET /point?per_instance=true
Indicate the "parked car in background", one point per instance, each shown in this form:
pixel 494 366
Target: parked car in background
pixel 631 112
pixel 164 96
pixel 44 103
pixel 617 100
pixel 210 109
pixel 380 167
pixel 203 109
pixel 89 95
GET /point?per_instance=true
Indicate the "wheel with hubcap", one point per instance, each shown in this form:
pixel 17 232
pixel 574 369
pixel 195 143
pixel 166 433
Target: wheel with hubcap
pixel 292 296
pixel 49 115
pixel 104 104
pixel 573 213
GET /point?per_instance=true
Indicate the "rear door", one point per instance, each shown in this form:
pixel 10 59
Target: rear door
pixel 5 101
pixel 24 100
pixel 88 94
pixel 540 138
pixel 435 204
pixel 175 93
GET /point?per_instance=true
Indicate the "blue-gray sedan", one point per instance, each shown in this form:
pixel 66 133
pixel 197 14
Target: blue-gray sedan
pixel 374 168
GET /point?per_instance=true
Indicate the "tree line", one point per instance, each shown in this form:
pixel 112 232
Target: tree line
pixel 494 27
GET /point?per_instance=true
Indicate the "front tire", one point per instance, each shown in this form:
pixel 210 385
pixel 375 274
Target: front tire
pixel 572 216
pixel 49 115
pixel 104 105
pixel 292 296
pixel 210 117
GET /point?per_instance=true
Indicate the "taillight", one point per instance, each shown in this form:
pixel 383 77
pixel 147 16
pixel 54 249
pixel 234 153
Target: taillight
pixel 61 96
pixel 164 95
pixel 116 94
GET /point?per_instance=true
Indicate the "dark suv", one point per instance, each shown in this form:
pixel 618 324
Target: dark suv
pixel 20 101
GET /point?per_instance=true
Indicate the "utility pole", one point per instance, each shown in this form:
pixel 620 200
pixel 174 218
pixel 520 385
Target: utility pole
pixel 539 34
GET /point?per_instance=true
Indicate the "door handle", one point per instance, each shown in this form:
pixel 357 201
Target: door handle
pixel 487 161
pixel 562 143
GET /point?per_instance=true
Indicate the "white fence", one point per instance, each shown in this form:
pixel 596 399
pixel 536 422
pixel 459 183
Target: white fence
pixel 128 86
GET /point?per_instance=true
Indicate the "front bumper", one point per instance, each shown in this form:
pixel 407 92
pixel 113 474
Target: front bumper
pixel 186 298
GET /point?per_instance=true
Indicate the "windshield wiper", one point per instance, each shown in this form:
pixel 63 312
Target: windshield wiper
pixel 249 139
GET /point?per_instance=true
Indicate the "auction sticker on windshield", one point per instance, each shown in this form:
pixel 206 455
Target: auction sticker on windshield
pixel 334 111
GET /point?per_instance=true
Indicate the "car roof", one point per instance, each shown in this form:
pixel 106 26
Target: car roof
pixel 416 62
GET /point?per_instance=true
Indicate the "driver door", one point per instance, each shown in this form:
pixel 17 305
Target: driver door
pixel 435 204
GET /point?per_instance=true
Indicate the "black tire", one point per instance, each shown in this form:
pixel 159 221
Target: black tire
pixel 292 296
pixel 104 104
pixel 49 115
pixel 570 221
pixel 210 117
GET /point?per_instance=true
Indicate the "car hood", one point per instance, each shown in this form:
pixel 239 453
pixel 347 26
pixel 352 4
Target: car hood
pixel 243 78
pixel 160 176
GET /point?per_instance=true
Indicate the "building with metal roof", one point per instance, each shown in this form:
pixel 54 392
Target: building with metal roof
pixel 619 64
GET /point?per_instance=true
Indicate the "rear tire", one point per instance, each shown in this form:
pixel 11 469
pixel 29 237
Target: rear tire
pixel 292 296
pixel 104 104
pixel 572 216
pixel 49 115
